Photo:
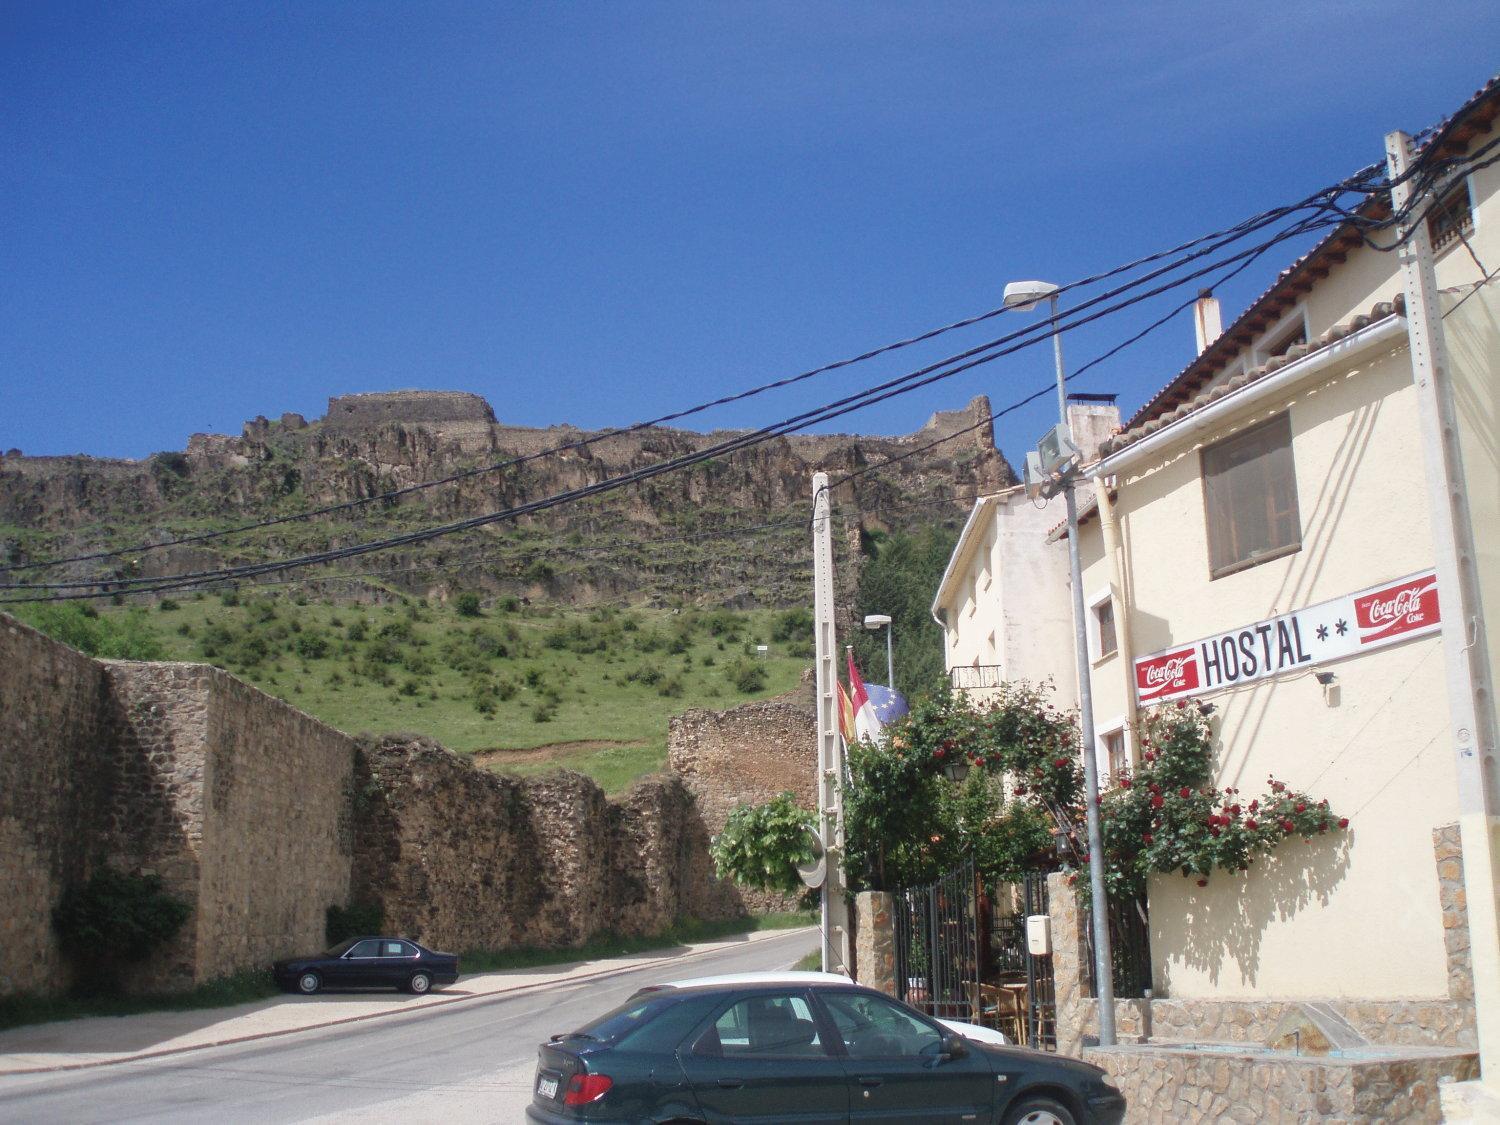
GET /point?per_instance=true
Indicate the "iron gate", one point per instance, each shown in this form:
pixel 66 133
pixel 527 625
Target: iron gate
pixel 959 957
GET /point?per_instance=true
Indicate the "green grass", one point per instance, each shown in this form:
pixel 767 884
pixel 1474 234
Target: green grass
pixel 579 696
pixel 813 962
pixel 17 1011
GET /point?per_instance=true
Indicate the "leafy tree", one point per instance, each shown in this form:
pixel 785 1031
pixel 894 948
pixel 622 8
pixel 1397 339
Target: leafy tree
pixel 467 604
pixel 900 578
pixel 116 636
pixel 761 845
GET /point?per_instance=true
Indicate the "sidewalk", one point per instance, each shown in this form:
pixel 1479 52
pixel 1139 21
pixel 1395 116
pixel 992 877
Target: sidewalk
pixel 102 1040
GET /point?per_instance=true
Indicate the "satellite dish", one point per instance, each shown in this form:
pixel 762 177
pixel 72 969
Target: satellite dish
pixel 814 872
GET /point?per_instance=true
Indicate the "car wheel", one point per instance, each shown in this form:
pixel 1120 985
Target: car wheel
pixel 309 983
pixel 1037 1110
pixel 419 983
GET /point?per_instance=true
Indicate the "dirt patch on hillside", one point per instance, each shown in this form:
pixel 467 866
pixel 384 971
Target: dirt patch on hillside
pixel 554 751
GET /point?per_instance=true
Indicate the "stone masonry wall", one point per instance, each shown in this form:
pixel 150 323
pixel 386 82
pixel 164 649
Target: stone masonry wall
pixel 279 831
pixel 466 859
pixel 53 719
pixel 747 755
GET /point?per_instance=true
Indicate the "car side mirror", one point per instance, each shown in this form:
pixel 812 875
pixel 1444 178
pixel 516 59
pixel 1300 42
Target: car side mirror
pixel 955 1046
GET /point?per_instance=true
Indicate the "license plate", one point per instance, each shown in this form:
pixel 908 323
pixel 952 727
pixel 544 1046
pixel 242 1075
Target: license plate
pixel 547 1087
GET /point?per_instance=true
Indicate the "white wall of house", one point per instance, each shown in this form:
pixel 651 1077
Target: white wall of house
pixel 1357 917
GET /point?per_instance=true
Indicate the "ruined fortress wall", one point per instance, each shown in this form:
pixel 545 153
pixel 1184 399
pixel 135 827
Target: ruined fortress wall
pixel 367 411
pixel 53 719
pixel 260 817
pixel 279 829
pixel 462 858
pixel 747 755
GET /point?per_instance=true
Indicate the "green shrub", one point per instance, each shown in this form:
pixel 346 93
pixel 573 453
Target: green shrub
pixel 358 919
pixel 671 687
pixel 311 645
pixel 167 605
pixel 118 636
pixel 761 845
pixel 114 920
pixel 747 676
pixel 544 711
pixel 467 604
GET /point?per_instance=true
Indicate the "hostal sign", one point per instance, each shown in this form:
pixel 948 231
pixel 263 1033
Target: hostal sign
pixel 1332 630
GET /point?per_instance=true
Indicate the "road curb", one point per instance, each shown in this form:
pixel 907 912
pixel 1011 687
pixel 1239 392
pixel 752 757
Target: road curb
pixel 438 1003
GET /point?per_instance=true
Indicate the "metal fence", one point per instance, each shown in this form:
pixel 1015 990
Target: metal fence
pixel 1129 948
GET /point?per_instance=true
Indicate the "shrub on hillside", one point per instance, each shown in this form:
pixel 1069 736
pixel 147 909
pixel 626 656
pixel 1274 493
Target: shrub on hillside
pixel 671 687
pixel 116 636
pixel 747 676
pixel 467 604
pixel 311 645
pixel 167 605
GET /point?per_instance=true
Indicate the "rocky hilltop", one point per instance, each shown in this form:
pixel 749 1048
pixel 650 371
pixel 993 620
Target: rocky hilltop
pixel 664 538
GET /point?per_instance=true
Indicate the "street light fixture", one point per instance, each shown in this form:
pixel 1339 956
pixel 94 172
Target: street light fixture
pixel 875 621
pixel 1022 296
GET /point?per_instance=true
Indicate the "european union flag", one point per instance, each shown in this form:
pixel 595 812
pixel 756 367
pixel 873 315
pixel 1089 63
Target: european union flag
pixel 887 703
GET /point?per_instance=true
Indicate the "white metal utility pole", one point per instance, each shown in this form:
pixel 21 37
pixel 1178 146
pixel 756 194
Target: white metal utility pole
pixel 830 757
pixel 1471 702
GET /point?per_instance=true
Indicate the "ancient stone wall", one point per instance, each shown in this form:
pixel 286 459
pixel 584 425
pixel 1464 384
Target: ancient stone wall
pixel 53 723
pixel 747 755
pixel 466 859
pixel 366 411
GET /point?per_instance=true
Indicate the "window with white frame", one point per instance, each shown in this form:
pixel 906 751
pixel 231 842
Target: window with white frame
pixel 1114 754
pixel 1250 497
pixel 1102 635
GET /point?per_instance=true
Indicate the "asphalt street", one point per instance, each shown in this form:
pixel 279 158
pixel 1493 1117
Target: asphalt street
pixel 467 1062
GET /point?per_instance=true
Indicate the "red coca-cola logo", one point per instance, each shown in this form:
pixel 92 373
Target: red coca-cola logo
pixel 1397 609
pixel 1168 674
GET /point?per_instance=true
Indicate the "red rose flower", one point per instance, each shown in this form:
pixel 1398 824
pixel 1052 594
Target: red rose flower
pixel 1343 822
pixel 1254 805
pixel 1301 807
pixel 1287 826
pixel 1146 837
pixel 1060 763
pixel 1156 802
pixel 938 753
pixel 1184 792
pixel 1201 882
pixel 1250 824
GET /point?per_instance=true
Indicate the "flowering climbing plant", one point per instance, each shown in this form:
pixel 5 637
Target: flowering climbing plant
pixel 1169 817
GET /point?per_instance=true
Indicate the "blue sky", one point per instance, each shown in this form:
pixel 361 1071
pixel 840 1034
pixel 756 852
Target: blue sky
pixel 600 212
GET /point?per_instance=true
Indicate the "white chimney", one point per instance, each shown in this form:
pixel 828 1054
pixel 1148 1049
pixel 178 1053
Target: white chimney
pixel 1206 320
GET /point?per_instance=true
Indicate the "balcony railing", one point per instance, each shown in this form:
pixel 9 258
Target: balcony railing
pixel 967 676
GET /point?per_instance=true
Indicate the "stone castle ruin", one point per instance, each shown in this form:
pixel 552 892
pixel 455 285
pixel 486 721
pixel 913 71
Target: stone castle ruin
pixel 260 817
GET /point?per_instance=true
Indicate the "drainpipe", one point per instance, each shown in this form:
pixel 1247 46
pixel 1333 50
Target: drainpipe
pixel 1116 552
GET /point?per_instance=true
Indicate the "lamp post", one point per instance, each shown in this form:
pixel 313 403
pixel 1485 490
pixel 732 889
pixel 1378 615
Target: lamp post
pixel 1023 296
pixel 874 621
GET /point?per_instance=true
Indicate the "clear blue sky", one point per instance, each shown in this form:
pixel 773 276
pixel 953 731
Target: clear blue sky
pixel 597 212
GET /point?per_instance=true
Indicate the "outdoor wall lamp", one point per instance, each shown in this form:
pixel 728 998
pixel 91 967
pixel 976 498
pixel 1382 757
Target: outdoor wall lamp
pixel 1324 678
pixel 956 770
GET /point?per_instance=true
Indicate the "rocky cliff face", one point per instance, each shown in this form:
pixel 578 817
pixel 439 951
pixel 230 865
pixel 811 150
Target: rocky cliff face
pixel 639 540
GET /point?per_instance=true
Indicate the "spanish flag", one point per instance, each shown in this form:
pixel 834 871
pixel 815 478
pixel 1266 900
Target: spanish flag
pixel 846 713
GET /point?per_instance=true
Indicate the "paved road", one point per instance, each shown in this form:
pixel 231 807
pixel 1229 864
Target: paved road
pixel 468 1062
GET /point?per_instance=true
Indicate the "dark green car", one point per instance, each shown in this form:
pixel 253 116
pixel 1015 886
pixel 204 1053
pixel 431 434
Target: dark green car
pixel 816 1053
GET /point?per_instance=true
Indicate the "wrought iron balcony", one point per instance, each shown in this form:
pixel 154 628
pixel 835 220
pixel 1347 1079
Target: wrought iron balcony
pixel 966 676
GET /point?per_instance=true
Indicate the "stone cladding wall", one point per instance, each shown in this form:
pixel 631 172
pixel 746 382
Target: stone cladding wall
pixel 466 859
pixel 747 755
pixel 1167 1086
pixel 53 722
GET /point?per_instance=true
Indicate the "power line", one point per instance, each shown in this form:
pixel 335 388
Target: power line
pixel 1205 244
pixel 904 384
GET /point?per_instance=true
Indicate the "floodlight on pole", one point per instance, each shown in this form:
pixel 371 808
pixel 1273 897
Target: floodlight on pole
pixel 875 621
pixel 1057 460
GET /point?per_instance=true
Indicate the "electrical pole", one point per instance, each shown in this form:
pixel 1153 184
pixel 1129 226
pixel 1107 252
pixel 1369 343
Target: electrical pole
pixel 1471 703
pixel 1104 983
pixel 829 791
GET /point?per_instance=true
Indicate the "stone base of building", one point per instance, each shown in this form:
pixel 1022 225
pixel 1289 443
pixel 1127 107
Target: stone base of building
pixel 1163 1083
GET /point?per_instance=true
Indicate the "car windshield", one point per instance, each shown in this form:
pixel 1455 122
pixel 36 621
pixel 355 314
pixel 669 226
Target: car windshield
pixel 629 1017
pixel 340 949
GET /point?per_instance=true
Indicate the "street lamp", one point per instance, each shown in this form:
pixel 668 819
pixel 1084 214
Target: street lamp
pixel 1023 296
pixel 875 621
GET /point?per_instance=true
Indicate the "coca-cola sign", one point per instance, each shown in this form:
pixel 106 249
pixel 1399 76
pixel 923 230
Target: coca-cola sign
pixel 1331 630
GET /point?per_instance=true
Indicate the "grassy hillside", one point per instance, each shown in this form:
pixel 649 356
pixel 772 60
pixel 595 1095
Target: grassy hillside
pixel 531 687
